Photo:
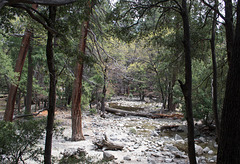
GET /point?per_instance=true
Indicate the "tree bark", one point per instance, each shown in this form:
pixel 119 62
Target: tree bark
pixel 77 89
pixel 76 104
pixel 30 74
pixel 214 67
pixel 52 89
pixel 104 92
pixel 29 81
pixel 171 105
pixel 8 115
pixel 229 28
pixel 229 147
pixel 187 87
pixel 19 101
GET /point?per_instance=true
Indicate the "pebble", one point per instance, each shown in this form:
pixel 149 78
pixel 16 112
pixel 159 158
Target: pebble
pixel 127 158
pixel 136 146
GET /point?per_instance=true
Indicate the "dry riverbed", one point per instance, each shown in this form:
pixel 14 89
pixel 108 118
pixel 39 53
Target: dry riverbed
pixel 142 140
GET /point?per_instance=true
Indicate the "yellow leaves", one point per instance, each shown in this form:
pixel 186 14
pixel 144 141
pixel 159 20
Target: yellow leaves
pixel 137 67
pixel 163 33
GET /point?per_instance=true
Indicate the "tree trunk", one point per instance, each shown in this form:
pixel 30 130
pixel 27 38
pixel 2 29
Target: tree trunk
pixel 187 87
pixel 19 101
pixel 214 66
pixel 229 28
pixel 29 81
pixel 77 89
pixel 229 147
pixel 77 86
pixel 8 115
pixel 52 89
pixel 76 105
pixel 171 105
pixel 104 92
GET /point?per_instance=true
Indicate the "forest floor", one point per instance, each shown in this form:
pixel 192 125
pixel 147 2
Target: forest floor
pixel 144 140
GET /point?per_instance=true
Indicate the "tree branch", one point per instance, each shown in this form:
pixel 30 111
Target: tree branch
pixel 213 8
pixel 40 2
pixel 28 115
pixel 2 3
pixel 28 10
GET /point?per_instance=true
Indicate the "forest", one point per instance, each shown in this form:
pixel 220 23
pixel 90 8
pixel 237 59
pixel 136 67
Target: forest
pixel 120 81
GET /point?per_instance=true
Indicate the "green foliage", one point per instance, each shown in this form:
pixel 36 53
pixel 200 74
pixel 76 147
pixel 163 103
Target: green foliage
pixel 93 110
pixel 203 106
pixel 86 95
pixel 83 159
pixel 18 140
pixel 7 74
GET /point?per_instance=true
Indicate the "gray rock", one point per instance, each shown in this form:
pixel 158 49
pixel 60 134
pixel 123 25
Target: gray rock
pixel 201 160
pixel 212 159
pixel 181 162
pixel 156 154
pixel 107 156
pixel 154 134
pixel 127 158
pixel 172 148
pixel 178 137
pixel 198 149
pixel 206 149
pixel 182 128
pixel 73 152
pixel 179 154
pixel 151 161
pixel 160 143
pixel 113 138
pixel 202 139
pixel 168 160
pixel 136 146
pixel 210 152
pixel 215 158
pixel 139 159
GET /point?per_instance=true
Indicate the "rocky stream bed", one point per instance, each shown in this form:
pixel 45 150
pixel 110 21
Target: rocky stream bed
pixel 143 140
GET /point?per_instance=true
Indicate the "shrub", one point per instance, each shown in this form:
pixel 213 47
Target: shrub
pixel 18 140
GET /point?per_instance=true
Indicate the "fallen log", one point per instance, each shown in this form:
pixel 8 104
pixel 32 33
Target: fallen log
pixel 28 115
pixel 148 115
pixel 127 113
pixel 104 144
pixel 174 115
